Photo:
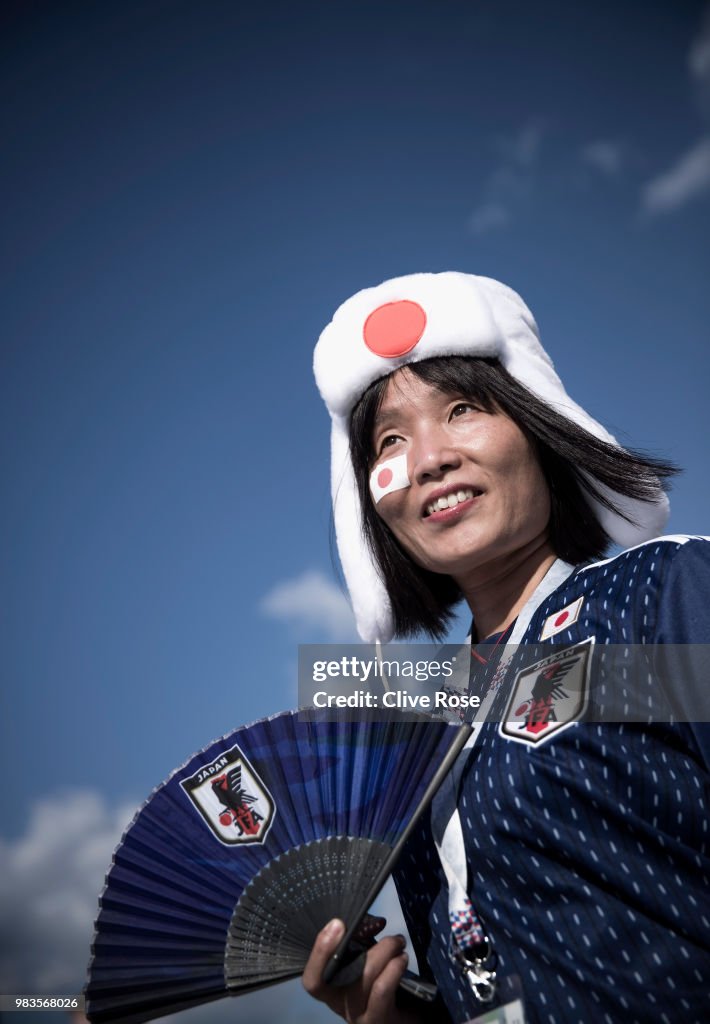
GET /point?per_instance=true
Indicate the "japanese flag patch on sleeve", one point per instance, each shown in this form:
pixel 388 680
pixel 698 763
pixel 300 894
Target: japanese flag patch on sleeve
pixel 561 619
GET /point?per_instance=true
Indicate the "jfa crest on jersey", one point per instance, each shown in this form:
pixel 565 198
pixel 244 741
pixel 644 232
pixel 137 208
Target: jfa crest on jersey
pixel 232 799
pixel 549 695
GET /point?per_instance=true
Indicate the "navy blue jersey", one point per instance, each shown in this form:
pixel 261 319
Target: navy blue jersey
pixel 587 841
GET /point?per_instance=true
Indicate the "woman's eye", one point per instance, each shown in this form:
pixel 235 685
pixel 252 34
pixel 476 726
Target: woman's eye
pixel 462 407
pixel 388 441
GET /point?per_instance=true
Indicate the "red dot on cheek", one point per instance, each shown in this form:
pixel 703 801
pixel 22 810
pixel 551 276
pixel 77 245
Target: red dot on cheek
pixel 384 477
pixel 562 617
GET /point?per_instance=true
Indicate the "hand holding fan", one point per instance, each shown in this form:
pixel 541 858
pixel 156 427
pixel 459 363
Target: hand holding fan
pixel 232 867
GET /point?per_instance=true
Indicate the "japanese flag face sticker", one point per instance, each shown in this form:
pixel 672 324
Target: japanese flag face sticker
pixel 389 476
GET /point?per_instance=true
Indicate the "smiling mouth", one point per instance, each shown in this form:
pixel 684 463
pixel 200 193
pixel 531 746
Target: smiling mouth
pixel 451 500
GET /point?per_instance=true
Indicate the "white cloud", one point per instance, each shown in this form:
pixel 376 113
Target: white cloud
pixel 524 147
pixel 50 879
pixel 689 176
pixel 511 180
pixel 604 156
pixel 699 56
pixel 687 179
pixel 488 217
pixel 699 67
pixel 312 603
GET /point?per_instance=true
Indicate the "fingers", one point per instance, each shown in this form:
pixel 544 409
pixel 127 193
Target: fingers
pixel 323 948
pixel 384 989
pixel 371 998
pixel 380 982
pixel 379 959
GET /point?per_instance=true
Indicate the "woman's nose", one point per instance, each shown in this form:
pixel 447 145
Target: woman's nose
pixel 433 458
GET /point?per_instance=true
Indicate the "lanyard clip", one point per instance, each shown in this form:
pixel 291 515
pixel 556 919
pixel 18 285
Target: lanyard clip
pixel 479 965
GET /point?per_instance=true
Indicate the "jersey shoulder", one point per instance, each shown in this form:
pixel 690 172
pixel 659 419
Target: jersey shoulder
pixel 664 584
pixel 666 548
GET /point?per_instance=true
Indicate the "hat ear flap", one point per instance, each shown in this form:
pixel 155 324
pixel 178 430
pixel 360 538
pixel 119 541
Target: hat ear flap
pixel 370 601
pixel 647 518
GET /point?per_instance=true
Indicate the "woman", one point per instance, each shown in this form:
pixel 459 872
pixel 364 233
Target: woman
pixel 564 868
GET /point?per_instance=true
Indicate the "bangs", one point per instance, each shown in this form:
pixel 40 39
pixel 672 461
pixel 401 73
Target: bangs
pixel 473 379
pixel 476 380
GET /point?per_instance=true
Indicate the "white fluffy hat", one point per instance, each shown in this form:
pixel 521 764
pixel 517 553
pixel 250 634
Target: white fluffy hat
pixel 418 317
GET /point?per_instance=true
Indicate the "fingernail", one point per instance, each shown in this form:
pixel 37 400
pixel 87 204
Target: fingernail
pixel 334 929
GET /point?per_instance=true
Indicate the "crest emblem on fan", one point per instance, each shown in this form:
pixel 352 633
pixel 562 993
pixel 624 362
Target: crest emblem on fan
pixel 231 798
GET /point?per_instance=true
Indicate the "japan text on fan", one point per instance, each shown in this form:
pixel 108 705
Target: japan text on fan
pixel 236 862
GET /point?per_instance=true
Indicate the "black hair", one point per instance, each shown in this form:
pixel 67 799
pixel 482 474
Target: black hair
pixel 574 463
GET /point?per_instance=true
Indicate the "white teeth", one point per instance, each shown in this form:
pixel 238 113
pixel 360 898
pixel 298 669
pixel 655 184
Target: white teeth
pixel 450 501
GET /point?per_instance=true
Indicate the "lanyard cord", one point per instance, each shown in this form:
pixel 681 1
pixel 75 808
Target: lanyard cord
pixel 469 944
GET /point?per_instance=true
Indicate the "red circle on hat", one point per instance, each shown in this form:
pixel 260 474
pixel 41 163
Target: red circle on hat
pixel 384 477
pixel 395 328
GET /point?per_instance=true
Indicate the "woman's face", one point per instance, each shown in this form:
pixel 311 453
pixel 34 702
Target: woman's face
pixel 478 465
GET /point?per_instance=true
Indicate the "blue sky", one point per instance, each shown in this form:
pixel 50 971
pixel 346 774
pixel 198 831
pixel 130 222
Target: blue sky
pixel 189 192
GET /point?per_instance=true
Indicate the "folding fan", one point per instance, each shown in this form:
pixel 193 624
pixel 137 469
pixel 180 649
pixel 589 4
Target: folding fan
pixel 234 864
